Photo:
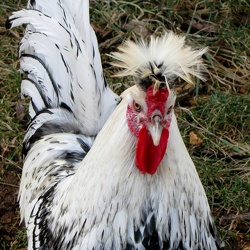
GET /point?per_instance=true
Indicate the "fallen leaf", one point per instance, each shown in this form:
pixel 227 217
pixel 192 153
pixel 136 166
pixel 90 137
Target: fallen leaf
pixel 138 27
pixel 194 139
pixel 243 90
pixel 192 101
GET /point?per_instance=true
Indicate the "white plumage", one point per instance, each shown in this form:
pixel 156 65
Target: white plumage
pixel 85 181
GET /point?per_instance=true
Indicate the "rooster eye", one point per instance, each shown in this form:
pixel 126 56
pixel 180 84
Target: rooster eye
pixel 137 106
pixel 169 110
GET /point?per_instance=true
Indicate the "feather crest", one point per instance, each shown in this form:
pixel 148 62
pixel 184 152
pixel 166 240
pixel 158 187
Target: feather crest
pixel 164 57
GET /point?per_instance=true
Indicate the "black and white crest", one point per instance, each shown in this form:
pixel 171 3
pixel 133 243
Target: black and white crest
pixel 162 59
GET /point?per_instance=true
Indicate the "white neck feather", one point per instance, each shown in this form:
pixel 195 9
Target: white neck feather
pixel 108 175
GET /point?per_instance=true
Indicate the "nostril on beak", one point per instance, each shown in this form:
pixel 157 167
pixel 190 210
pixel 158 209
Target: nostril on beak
pixel 156 118
pixel 155 128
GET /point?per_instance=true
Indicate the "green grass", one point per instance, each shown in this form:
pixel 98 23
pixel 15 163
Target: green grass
pixel 11 129
pixel 223 26
pixel 11 134
pixel 217 110
pixel 222 121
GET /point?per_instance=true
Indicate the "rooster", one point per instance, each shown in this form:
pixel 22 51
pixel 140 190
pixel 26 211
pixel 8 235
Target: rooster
pixel 98 174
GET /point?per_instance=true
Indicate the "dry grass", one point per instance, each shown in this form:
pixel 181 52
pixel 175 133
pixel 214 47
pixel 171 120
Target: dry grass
pixel 202 22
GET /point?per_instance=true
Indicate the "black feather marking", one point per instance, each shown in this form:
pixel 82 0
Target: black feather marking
pixel 65 29
pixel 83 225
pixel 45 238
pixel 35 108
pixel 79 85
pixel 64 13
pixel 72 157
pixel 159 65
pixel 93 70
pixel 8 22
pixel 32 2
pixel 25 147
pixel 93 51
pixel 166 245
pixel 46 69
pixel 49 127
pixel 77 46
pixel 211 229
pixel 151 67
pixel 150 235
pixel 65 106
pixel 145 82
pixel 130 247
pixel 137 235
pixel 181 247
pixel 150 226
pixel 43 96
pixel 64 62
pixel 83 145
pixel 70 243
pixel 72 96
pixel 102 234
pixel 105 82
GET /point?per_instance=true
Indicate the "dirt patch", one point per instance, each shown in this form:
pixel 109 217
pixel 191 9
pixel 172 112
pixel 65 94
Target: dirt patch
pixel 9 210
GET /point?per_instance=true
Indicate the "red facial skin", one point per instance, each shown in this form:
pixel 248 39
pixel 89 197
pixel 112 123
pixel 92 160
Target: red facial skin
pixel 149 156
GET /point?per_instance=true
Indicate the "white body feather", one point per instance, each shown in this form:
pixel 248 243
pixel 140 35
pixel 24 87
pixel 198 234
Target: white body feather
pixel 109 195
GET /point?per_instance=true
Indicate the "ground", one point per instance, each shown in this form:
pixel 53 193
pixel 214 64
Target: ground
pixel 9 213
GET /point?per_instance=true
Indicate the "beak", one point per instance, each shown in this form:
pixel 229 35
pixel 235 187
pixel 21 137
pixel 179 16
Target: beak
pixel 156 129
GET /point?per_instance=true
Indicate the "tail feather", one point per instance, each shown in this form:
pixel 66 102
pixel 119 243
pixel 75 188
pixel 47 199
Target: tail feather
pixel 77 12
pixel 67 12
pixel 70 99
pixel 38 84
pixel 68 70
pixel 49 121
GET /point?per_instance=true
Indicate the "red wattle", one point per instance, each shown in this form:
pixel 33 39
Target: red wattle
pixel 149 156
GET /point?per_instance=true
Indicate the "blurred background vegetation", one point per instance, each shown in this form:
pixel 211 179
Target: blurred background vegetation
pixel 213 116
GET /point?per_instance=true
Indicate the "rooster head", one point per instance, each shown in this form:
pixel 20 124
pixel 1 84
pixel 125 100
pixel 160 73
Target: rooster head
pixel 148 116
pixel 155 66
